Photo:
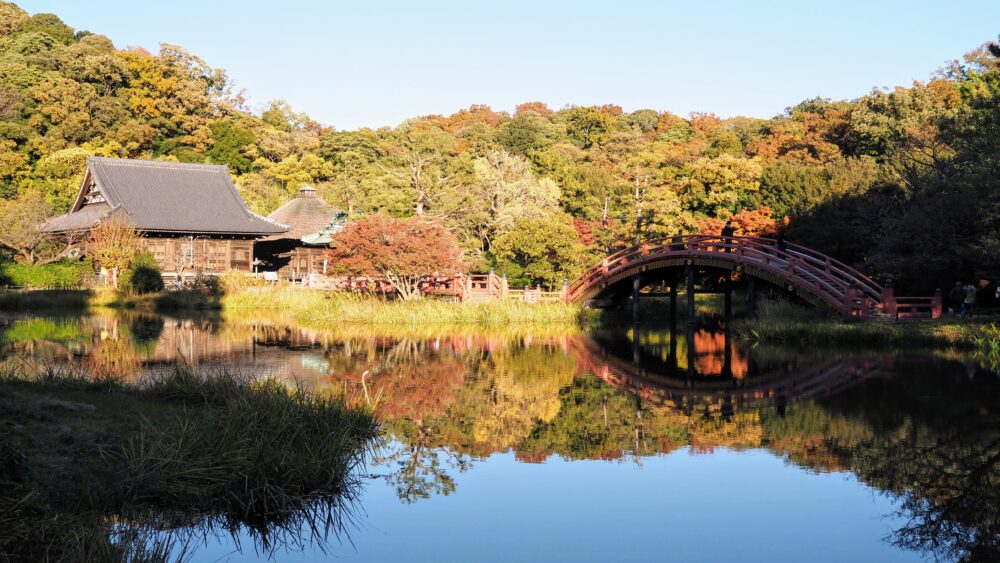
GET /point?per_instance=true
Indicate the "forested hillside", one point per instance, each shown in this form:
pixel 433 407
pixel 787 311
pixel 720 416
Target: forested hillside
pixel 901 183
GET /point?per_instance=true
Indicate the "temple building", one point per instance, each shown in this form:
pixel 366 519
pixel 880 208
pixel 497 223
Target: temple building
pixel 191 217
pixel 302 249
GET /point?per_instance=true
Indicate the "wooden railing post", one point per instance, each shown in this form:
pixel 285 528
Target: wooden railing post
pixel 564 295
pixel 604 266
pixel 937 304
pixel 468 286
pixel 458 287
pixel 504 287
pixel 889 305
pixel 851 300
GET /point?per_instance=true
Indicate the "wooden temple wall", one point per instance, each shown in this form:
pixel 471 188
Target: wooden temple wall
pixel 303 261
pixel 192 256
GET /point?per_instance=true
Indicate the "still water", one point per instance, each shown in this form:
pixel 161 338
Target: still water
pixel 610 445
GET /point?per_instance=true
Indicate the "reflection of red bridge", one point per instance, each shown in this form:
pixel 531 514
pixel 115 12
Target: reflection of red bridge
pixel 815 380
pixel 811 274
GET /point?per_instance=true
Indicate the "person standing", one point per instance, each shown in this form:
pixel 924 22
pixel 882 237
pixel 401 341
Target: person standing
pixel 956 298
pixel 727 234
pixel 969 305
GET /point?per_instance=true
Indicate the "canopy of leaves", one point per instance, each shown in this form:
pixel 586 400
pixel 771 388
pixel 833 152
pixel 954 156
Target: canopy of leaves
pixel 399 250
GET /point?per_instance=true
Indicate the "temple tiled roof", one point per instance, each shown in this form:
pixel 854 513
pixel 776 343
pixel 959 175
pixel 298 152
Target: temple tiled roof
pixel 163 197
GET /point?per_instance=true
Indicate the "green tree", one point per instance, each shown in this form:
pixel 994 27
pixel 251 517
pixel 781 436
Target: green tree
pixel 542 251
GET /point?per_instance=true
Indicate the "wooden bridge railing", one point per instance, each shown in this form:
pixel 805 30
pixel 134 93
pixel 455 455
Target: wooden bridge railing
pixel 464 287
pixel 841 286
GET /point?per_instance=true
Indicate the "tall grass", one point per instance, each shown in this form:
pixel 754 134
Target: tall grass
pixel 783 323
pixel 203 451
pixel 319 309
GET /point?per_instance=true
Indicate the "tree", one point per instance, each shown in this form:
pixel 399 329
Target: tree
pixel 716 184
pixel 400 250
pixel 540 251
pixel 21 219
pixel 230 146
pixel 419 152
pixel 114 244
pixel 504 190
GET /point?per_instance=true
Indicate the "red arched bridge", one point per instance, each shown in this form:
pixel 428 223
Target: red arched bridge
pixel 812 275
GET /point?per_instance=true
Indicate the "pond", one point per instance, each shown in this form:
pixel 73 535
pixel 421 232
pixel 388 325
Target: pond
pixel 603 445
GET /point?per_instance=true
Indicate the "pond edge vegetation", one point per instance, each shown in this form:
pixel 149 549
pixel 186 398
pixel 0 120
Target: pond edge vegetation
pixel 98 469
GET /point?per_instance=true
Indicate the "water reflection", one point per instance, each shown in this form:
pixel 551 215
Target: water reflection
pixel 924 430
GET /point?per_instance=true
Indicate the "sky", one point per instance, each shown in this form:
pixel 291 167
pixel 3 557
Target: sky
pixel 373 63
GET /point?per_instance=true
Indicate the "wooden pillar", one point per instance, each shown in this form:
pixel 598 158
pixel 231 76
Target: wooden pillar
pixel 691 352
pixel 672 358
pixel 690 295
pixel 673 305
pixel 851 298
pixel 636 355
pixel 937 304
pixel 751 297
pixel 504 287
pixel 727 363
pixel 636 285
pixel 889 301
pixel 728 302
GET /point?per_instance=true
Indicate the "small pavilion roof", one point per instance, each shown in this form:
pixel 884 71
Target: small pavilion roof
pixel 309 218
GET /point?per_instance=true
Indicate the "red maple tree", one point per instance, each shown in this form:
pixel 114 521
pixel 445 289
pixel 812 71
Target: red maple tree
pixel 400 250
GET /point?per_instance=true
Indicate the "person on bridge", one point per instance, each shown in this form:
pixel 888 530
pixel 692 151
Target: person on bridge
pixel 677 242
pixel 969 306
pixel 956 297
pixel 727 232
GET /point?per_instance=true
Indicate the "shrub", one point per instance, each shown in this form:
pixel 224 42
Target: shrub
pixel 143 275
pixel 60 275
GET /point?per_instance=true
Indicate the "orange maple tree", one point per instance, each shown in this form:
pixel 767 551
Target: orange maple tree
pixel 400 250
pixel 750 223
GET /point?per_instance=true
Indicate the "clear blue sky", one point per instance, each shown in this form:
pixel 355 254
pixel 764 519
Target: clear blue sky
pixel 378 62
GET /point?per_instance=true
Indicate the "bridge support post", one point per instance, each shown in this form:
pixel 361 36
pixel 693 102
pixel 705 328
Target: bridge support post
pixel 751 297
pixel 636 285
pixel 728 289
pixel 690 295
pixel 673 305
pixel 691 353
pixel 889 300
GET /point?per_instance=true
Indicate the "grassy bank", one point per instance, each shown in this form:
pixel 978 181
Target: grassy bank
pixel 319 309
pixel 95 470
pixel 781 323
pixel 326 309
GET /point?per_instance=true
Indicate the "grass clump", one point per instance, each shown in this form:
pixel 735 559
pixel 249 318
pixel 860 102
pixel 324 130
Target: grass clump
pixel 95 469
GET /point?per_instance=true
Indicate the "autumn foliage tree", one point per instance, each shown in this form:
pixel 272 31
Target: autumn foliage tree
pixel 400 250
pixel 114 243
pixel 20 220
